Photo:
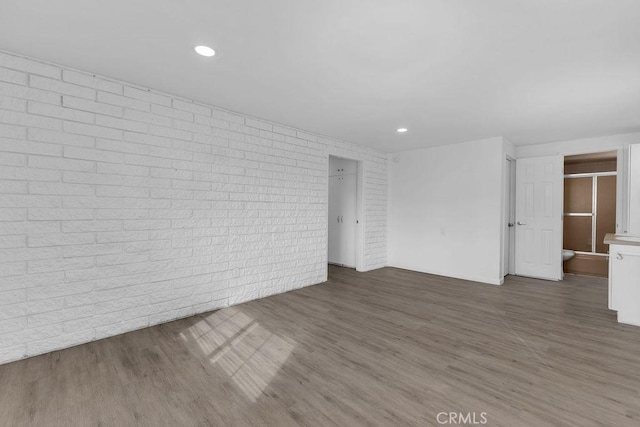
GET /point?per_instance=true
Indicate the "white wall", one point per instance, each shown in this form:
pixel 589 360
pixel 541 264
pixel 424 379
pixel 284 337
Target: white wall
pixel 121 207
pixel 579 146
pixel 445 203
pixel 445 210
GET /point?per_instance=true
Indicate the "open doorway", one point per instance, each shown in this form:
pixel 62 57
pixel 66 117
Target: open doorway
pixel 590 191
pixel 344 228
pixel 508 222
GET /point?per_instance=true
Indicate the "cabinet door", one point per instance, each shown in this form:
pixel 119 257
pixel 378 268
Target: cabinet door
pixel 612 303
pixel 625 283
pixel 342 220
pixel 348 220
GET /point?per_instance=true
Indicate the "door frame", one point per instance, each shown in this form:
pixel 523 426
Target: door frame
pixel 360 224
pixel 622 191
pixel 622 183
pixel 508 198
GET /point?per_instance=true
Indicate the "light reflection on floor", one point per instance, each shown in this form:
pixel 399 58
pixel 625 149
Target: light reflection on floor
pixel 245 350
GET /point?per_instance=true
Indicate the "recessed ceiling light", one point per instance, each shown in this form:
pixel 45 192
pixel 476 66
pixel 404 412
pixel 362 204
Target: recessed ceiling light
pixel 205 51
pixel 402 130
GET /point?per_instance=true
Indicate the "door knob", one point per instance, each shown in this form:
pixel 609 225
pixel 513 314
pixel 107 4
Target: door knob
pixel 511 224
pixel 521 223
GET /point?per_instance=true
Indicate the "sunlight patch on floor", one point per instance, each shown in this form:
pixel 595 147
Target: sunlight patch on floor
pixel 247 352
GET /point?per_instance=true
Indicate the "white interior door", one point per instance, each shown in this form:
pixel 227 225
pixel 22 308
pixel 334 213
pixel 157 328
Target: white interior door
pixel 539 198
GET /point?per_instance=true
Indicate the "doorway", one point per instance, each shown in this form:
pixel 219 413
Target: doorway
pixel 590 191
pixel 508 226
pixel 343 212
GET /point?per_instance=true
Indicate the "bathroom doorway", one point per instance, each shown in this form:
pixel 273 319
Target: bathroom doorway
pixel 589 211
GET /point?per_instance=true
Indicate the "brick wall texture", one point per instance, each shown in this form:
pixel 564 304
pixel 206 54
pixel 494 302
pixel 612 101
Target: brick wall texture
pixel 122 207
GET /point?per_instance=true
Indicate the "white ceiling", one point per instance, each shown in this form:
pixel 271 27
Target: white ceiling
pixel 449 70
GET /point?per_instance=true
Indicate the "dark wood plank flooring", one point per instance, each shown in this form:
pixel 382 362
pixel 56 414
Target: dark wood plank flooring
pixel 388 347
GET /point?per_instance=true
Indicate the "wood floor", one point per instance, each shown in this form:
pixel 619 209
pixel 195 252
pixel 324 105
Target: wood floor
pixel 389 347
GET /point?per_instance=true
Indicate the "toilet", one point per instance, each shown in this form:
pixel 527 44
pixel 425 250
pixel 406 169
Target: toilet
pixel 567 254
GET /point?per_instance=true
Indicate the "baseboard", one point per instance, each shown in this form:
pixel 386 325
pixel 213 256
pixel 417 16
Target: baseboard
pixel 633 321
pixel 471 278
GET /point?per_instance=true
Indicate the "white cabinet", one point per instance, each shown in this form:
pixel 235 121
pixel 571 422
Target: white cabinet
pixel 624 282
pixel 624 250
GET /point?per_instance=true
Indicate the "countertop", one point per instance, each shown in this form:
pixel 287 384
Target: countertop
pixel 613 239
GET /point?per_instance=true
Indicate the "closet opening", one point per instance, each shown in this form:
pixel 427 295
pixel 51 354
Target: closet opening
pixel 344 213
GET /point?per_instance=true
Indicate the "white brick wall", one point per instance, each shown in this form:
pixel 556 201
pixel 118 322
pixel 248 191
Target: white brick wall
pixel 121 207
